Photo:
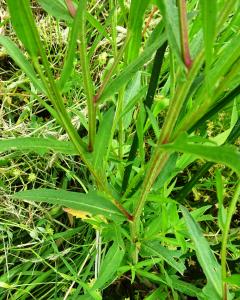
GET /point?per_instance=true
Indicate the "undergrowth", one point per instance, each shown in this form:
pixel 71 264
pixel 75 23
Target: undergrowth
pixel 119 166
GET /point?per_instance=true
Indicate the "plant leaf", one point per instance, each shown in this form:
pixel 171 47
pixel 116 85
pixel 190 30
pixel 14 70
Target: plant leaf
pixel 92 202
pixel 39 145
pixel 102 139
pixel 110 265
pixel 57 9
pixel 227 155
pixel 135 27
pixel 209 21
pixel 21 61
pixel 24 25
pixel 153 248
pixel 131 69
pixel 234 279
pixel 206 258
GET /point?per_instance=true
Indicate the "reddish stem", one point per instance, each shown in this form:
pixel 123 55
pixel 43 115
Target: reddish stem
pixel 71 7
pixel 184 33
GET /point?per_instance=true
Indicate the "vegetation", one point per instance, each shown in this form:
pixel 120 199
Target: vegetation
pixel 119 149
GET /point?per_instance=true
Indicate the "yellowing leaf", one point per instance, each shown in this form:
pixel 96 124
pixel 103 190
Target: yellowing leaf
pixel 78 213
pixel 84 215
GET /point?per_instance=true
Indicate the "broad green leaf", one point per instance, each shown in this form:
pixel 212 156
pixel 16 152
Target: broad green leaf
pixel 57 9
pixel 152 248
pixel 39 145
pixel 131 69
pixel 135 27
pixel 209 21
pixel 21 61
pixel 206 258
pixel 92 202
pixel 227 155
pixel 234 279
pixel 102 139
pixel 110 265
pixel 24 25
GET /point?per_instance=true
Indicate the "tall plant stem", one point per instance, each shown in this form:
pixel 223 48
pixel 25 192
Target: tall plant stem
pixel 159 159
pixel 184 33
pixel 157 163
pixel 156 70
pixel 226 229
pixel 178 101
pixel 57 101
pixel 87 80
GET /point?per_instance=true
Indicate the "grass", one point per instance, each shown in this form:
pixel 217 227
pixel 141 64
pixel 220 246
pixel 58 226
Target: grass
pixel 133 109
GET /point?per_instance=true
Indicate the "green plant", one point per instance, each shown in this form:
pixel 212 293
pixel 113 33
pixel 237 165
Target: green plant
pixel 131 159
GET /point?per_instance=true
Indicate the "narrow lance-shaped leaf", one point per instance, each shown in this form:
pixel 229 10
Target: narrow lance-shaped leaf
pixel 21 61
pixel 115 85
pixel 39 145
pixel 57 9
pixel 156 70
pixel 205 256
pixel 23 23
pixel 103 139
pixel 135 27
pixel 227 155
pixel 209 21
pixel 156 250
pixel 171 20
pixel 94 203
pixel 110 265
pixel 234 134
